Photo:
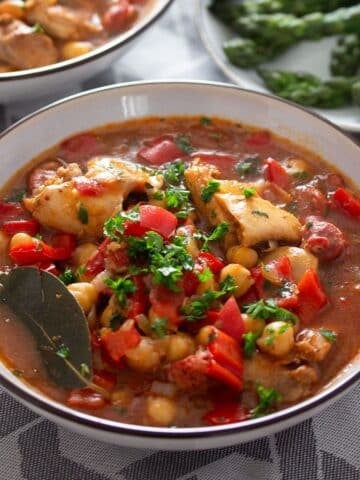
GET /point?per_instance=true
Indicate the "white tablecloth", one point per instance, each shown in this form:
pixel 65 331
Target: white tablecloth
pixel 326 447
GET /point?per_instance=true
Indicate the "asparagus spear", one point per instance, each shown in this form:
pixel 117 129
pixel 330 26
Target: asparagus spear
pixel 345 57
pixel 229 10
pixel 286 29
pixel 245 53
pixel 309 90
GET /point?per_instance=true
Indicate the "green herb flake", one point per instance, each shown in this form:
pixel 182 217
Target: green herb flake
pixel 259 213
pixel 249 343
pixel 158 195
pixel 17 372
pixel 196 309
pixel 266 309
pixel 300 176
pixel 249 192
pixel 267 400
pixel 205 275
pixel 114 226
pixel 217 234
pixel 205 121
pixel 329 335
pixel 84 370
pixel 160 327
pixel 63 351
pixel 183 142
pixel 208 192
pixel 83 214
pixel 68 276
pixel 228 286
pixel 37 28
pixel 174 172
pixel 122 287
pixel 216 135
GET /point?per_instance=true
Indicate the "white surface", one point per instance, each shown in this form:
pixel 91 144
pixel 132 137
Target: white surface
pixel 115 104
pixel 307 56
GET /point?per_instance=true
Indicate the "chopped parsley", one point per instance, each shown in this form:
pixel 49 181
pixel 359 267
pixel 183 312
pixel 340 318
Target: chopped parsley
pixel 267 399
pixel 37 28
pixel 249 192
pixel 122 287
pixel 248 165
pixel 208 192
pixel 259 213
pixel 217 234
pixel 114 226
pixel 83 214
pixel 205 275
pixel 228 286
pixel 63 351
pixel 68 276
pixel 205 121
pixel 300 176
pixel 159 327
pixel 177 198
pixel 329 335
pixel 267 309
pixel 174 172
pixel 249 340
pixel 183 143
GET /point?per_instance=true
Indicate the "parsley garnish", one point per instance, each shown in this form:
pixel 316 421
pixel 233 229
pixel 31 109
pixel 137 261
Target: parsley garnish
pixel 268 398
pixel 217 234
pixel 68 276
pixel 249 340
pixel 177 198
pixel 208 191
pixel 37 28
pixel 114 226
pixel 249 192
pixel 183 142
pixel 205 121
pixel 267 309
pixel 329 335
pixel 247 165
pixel 205 275
pixel 63 351
pixel 259 213
pixel 122 287
pixel 228 285
pixel 83 214
pixel 174 172
pixel 159 327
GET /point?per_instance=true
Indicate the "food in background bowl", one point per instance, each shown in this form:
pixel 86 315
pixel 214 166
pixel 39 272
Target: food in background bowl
pixel 214 264
pixel 36 33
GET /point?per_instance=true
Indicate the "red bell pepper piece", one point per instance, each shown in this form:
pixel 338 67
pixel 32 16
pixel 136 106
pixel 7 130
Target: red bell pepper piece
pixel 10 210
pixel 166 303
pixel 224 413
pixel 276 173
pixel 116 344
pixel 105 379
pixel 347 202
pixel 311 296
pixel 138 301
pixel 278 271
pixel 63 246
pixel 213 262
pixel 80 147
pixel 222 374
pixel 161 150
pixel 226 352
pixel 258 139
pixel 157 219
pixel 190 283
pixel 85 398
pixel 230 319
pixel 12 227
pixel 87 186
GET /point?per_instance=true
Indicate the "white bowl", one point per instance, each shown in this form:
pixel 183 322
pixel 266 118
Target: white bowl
pixel 51 124
pixel 39 82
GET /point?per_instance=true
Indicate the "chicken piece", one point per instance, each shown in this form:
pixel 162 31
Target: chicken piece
pixel 23 47
pixel 63 22
pixel 311 345
pixel 292 383
pixel 252 220
pixel 58 203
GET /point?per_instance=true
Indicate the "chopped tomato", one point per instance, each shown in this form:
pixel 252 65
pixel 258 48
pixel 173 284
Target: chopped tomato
pixel 278 271
pixel 134 229
pixel 85 398
pixel 105 379
pixel 138 301
pixel 161 150
pixel 311 296
pixel 15 226
pixel 166 303
pixel 347 202
pixel 213 262
pixel 116 344
pixel 157 219
pixel 226 351
pixel 276 173
pixel 63 245
pixel 80 147
pixel 223 413
pixel 222 374
pixel 230 319
pixel 117 17
pixel 258 139
pixel 10 210
pixel 88 186
pixel 190 283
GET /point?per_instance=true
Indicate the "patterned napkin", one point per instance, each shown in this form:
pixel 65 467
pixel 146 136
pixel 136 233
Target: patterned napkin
pixel 326 447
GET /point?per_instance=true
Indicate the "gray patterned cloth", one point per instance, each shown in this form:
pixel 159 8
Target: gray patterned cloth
pixel 327 447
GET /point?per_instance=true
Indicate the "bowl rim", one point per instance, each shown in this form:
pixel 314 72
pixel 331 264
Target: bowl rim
pixel 31 396
pixel 110 46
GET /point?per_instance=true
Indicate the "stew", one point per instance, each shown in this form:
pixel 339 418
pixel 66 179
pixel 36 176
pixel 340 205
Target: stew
pixel 35 33
pixel 217 266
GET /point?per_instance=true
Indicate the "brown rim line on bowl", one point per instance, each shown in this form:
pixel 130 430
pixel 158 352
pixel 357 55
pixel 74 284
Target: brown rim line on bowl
pixel 38 82
pixel 137 100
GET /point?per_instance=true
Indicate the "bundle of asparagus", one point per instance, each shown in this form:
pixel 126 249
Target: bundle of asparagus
pixel 267 28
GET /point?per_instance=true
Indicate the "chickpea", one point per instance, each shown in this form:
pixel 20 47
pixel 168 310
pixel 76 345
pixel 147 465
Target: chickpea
pixel 13 8
pixel 21 238
pixel 121 397
pixel 110 310
pixel 209 284
pixel 145 357
pixel 75 49
pixel 180 346
pixel 300 260
pixel 161 411
pixel 85 293
pixel 82 253
pixel 204 335
pixel 277 339
pixel 251 324
pixel 244 256
pixel 241 276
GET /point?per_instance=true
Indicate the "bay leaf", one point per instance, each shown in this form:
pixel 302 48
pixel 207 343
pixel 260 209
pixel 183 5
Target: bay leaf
pixel 55 319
